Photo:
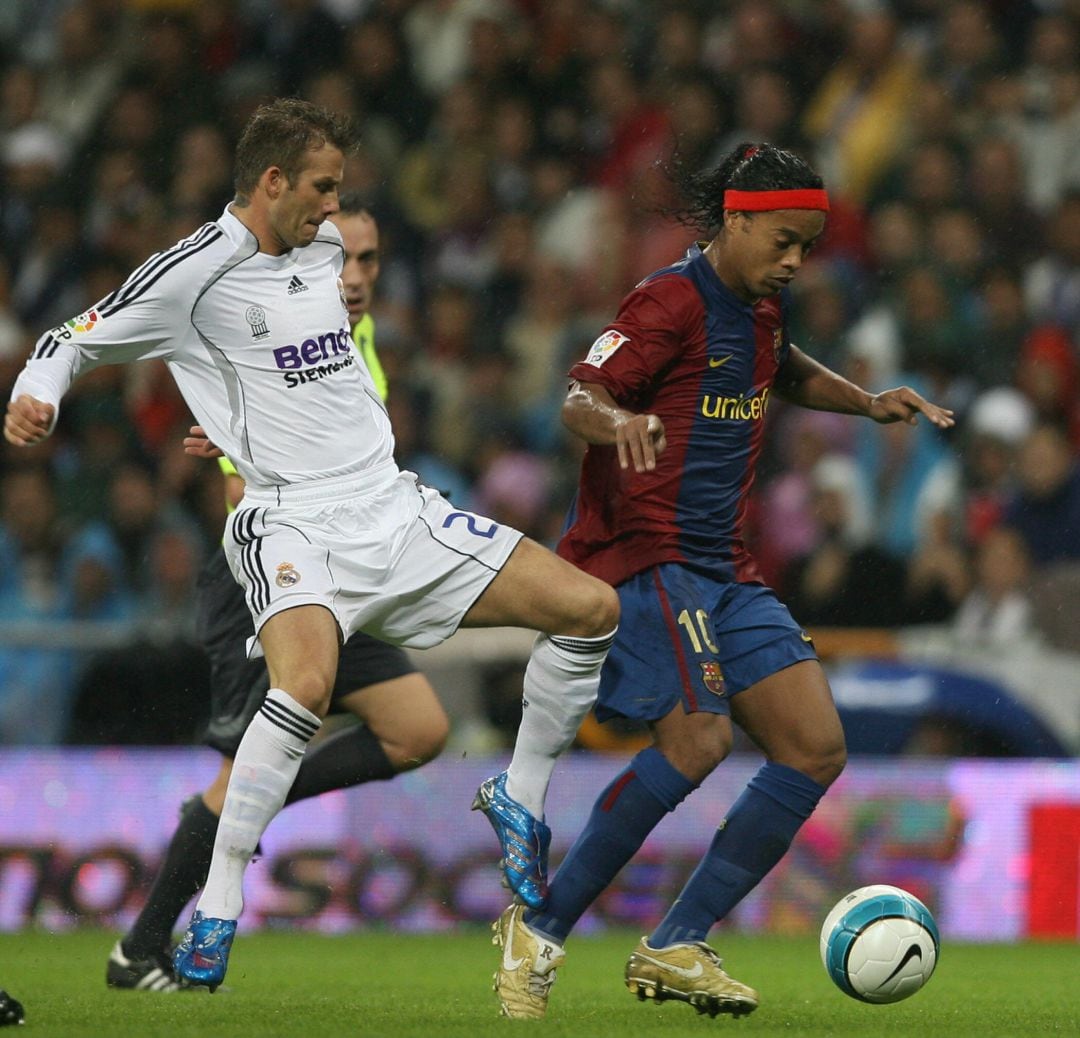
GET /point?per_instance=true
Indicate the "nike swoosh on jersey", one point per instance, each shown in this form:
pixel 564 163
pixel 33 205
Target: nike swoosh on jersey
pixel 716 362
pixel 678 970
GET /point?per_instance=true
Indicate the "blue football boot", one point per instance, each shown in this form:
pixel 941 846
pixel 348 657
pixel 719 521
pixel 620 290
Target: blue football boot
pixel 524 841
pixel 202 957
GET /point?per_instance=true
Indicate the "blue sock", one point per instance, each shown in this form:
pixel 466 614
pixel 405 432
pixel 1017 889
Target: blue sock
pixel 623 815
pixel 755 835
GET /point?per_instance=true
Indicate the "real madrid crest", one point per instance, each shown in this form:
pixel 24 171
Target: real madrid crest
pixel 286 575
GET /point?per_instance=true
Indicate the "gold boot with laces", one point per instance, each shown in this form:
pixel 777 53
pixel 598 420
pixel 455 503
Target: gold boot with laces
pixel 527 967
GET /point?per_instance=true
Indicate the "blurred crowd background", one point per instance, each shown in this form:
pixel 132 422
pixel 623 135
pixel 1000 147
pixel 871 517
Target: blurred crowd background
pixel 516 157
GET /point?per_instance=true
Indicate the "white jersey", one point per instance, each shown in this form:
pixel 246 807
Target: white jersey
pixel 259 347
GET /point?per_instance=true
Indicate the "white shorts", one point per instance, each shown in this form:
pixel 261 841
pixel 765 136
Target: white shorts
pixel 383 553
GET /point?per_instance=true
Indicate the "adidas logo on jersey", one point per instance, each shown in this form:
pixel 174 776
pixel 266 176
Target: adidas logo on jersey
pixel 296 286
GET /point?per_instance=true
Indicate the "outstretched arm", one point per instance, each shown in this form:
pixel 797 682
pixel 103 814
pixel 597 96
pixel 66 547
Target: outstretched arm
pixel 590 412
pixel 804 381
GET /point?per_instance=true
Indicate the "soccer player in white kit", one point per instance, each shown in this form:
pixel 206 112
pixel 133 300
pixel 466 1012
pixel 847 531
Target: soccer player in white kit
pixel 331 537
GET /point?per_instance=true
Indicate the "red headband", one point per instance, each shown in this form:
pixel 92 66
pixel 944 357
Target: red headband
pixel 762 201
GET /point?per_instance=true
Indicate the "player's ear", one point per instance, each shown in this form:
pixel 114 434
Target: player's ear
pixel 273 181
pixel 732 218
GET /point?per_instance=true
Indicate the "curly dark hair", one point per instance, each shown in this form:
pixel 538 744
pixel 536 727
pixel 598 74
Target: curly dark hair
pixel 281 133
pixel 748 167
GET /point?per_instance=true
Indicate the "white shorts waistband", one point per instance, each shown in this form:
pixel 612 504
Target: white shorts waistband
pixel 332 489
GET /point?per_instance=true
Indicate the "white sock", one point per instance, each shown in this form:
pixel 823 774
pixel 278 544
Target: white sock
pixel 561 682
pixel 266 764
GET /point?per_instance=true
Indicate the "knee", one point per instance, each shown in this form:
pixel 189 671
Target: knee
pixel 596 610
pixel 426 743
pixel 423 741
pixel 824 764
pixel 312 691
pixel 696 757
pixel 831 764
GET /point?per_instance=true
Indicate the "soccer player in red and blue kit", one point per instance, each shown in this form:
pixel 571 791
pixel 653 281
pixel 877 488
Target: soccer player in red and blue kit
pixel 672 400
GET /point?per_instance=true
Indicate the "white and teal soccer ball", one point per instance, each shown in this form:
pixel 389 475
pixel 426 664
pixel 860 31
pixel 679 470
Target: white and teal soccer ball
pixel 880 944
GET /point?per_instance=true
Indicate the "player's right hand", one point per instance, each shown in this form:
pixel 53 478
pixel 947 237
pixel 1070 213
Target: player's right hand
pixel 640 439
pixel 28 420
pixel 199 444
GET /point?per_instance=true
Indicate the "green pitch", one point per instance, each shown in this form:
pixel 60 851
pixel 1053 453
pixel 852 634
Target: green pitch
pixel 377 984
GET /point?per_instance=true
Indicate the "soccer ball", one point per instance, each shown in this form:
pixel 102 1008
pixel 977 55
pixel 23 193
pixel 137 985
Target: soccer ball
pixel 880 944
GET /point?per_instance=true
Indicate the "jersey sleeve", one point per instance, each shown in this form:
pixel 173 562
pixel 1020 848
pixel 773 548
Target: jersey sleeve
pixel 648 333
pixel 142 319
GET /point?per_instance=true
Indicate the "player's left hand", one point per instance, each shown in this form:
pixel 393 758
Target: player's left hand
pixel 905 405
pixel 199 444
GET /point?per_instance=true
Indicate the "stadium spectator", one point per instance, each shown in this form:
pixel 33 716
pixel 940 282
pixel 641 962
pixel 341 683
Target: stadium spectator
pixel 1048 374
pixel 966 50
pixel 83 72
pixel 756 34
pixel 1000 326
pixel 858 116
pixel 376 61
pixel 296 30
pixel 1052 284
pixel 909 477
pixel 765 109
pixel 36 681
pixel 995 175
pixel 938 569
pixel 787 522
pixel 675 56
pixel 458 129
pixel 1045 510
pixel 440 34
pixel 837 582
pixel 696 112
pixel 625 131
pixel 999 421
pixel 702 643
pixel 998 610
pixel 1046 112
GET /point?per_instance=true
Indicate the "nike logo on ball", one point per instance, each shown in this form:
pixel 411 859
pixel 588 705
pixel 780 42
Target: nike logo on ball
pixel 914 952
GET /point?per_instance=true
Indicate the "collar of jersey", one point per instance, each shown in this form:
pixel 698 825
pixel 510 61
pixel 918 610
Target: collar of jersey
pixel 241 236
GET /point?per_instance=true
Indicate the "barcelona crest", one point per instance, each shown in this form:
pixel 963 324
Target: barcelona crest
pixel 712 677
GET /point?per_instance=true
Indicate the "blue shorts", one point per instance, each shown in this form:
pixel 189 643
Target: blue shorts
pixel 686 638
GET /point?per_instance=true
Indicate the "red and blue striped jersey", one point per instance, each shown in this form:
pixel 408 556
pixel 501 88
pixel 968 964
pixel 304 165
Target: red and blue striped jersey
pixel 684 347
